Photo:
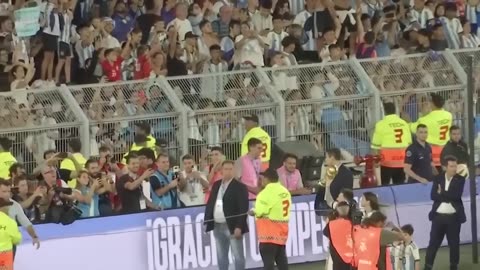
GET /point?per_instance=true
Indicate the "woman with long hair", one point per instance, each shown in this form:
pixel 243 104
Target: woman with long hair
pixel 86 195
pixel 369 204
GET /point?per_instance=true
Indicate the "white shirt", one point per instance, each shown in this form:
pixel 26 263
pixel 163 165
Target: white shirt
pixel 218 214
pixel 251 51
pixel 446 208
pixel 183 26
pixel 193 193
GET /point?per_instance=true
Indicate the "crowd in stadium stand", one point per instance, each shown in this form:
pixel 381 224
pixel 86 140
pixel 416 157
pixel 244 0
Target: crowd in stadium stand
pixel 89 41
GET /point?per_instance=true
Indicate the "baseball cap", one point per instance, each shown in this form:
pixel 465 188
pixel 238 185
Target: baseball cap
pixel 270 174
pixel 251 117
pixel 190 34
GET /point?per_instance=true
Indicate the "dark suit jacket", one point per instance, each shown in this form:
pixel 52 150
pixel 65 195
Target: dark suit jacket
pixel 344 179
pixel 453 195
pixel 235 202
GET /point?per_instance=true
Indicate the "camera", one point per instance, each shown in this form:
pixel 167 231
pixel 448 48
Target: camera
pixel 355 214
pixel 66 191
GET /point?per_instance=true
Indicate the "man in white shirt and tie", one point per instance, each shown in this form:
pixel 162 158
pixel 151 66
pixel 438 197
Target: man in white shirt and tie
pixel 447 213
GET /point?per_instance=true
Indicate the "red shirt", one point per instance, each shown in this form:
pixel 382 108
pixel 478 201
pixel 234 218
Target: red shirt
pixel 142 68
pixel 113 70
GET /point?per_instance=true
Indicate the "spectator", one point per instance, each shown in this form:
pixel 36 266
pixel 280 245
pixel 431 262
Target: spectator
pixel 129 187
pixel 105 188
pixel 164 183
pixel 150 18
pixel 411 257
pixel 262 20
pixel 369 203
pixel 53 25
pixel 214 168
pixel 65 53
pixel 175 66
pixel 275 37
pixel 181 24
pixel 122 22
pixel 227 43
pixel 85 193
pixel 290 176
pixel 16 170
pixel 249 47
pixel 29 202
pixel 221 26
pixel 192 192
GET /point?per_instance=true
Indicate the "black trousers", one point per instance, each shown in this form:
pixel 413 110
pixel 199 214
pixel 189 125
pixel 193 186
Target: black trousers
pixel 397 175
pixel 444 225
pixel 273 253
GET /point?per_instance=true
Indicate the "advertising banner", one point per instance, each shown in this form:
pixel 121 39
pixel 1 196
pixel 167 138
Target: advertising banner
pixel 176 239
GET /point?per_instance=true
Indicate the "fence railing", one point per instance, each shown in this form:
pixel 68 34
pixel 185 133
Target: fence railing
pixel 333 104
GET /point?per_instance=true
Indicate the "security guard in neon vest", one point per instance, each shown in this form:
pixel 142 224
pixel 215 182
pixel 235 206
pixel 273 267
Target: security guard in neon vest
pixel 139 141
pixel 255 131
pixel 9 235
pixel 390 139
pixel 6 158
pixel 272 212
pixel 438 122
pixel 144 129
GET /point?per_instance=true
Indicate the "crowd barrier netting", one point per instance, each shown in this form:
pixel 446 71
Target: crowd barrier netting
pixel 305 102
pixel 175 239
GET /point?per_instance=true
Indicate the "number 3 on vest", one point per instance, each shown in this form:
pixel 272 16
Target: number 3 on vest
pixel 286 207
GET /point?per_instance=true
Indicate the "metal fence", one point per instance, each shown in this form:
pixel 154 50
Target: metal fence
pixel 40 120
pixel 334 104
pixel 215 105
pixel 408 82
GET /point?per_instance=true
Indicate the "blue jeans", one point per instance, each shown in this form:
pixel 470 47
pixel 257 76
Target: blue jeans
pixel 224 241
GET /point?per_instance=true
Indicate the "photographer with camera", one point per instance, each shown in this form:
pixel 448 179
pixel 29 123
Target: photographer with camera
pixel 129 187
pixel 164 183
pixel 29 202
pixel 59 199
pixel 16 212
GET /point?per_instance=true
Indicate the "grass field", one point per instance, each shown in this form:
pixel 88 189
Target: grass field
pixel 442 261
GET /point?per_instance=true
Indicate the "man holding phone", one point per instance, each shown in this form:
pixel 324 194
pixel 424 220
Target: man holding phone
pixel 193 192
pixel 164 183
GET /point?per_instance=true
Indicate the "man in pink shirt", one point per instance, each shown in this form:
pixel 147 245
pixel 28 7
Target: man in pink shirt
pixel 248 166
pixel 290 177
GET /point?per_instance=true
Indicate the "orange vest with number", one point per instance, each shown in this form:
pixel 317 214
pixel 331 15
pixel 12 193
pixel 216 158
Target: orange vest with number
pixel 367 247
pixel 341 238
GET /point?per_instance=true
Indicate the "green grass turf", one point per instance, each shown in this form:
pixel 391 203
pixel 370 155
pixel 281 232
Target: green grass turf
pixel 442 261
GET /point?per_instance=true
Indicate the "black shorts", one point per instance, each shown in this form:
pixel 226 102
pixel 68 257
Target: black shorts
pixel 64 50
pixel 50 42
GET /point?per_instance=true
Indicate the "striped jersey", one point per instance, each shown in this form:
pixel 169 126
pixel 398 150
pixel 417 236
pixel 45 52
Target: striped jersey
pixel 411 256
pixel 274 40
pixel 452 28
pixel 66 32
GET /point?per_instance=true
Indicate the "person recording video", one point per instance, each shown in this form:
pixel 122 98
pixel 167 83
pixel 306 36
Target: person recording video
pixel 129 187
pixel 28 201
pixel 193 191
pixel 164 183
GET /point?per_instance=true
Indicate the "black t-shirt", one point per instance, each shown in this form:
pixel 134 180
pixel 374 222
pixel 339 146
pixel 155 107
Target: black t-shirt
pixel 145 22
pixel 176 67
pixel 130 199
pixel 438 45
pixel 4 82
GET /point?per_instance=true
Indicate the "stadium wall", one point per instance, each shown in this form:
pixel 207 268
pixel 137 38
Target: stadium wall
pixel 175 239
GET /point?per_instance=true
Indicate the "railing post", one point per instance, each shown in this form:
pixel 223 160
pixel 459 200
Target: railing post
pixel 180 108
pixel 84 130
pixel 371 88
pixel 462 75
pixel 281 114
